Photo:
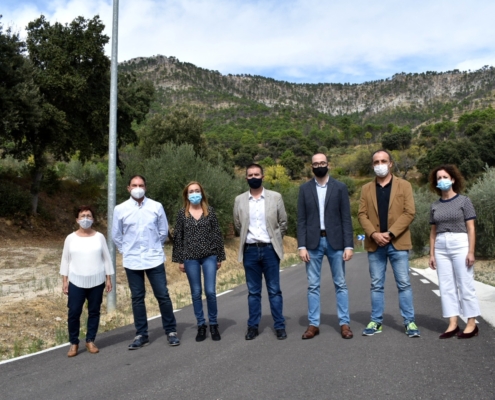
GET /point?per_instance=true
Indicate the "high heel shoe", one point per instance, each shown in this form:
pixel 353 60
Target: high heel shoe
pixel 449 334
pixel 462 335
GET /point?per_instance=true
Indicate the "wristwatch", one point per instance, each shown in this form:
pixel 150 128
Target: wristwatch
pixel 391 235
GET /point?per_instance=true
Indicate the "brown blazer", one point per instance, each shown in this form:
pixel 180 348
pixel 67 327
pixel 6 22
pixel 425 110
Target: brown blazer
pixel 400 215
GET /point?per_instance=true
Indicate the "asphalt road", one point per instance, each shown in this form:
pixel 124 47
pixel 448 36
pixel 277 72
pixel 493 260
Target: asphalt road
pixel 389 365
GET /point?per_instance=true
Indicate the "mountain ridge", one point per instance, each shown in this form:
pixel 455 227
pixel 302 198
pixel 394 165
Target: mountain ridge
pixel 185 82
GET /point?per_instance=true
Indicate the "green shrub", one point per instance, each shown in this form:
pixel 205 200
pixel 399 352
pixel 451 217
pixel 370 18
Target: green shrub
pixel 11 167
pixel 50 182
pixel 349 182
pixel 88 173
pixel 482 196
pixel 289 194
pixel 14 200
pixel 170 170
pixel 420 227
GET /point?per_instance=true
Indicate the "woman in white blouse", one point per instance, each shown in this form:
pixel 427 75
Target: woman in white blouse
pixel 86 269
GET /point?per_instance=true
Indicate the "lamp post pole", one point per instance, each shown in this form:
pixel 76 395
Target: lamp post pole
pixel 112 152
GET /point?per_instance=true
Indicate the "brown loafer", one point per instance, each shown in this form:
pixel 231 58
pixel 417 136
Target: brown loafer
pixel 346 332
pixel 91 347
pixel 311 332
pixel 73 350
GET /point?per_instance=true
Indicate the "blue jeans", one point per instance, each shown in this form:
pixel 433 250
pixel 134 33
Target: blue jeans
pixel 158 281
pixel 75 302
pixel 399 259
pixel 193 272
pixel 313 270
pixel 259 262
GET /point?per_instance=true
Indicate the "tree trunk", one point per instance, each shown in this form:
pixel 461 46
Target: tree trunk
pixel 35 188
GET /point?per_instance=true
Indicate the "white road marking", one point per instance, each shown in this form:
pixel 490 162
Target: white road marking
pixel 414 273
pixel 34 354
pixel 425 280
pixel 221 294
pixel 437 292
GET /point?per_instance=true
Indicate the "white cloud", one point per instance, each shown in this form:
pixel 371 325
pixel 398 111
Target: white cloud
pixel 476 63
pixel 299 40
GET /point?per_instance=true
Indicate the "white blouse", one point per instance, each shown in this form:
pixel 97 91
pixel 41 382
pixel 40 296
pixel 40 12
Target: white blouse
pixel 86 260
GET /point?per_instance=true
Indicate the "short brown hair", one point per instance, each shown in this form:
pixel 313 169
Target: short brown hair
pixel 254 165
pixel 383 151
pixel 80 209
pixel 453 171
pixel 137 176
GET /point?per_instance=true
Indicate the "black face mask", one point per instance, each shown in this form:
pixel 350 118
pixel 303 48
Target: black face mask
pixel 320 172
pixel 255 183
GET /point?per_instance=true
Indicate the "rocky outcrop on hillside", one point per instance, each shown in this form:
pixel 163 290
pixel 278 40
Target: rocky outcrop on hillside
pixel 401 90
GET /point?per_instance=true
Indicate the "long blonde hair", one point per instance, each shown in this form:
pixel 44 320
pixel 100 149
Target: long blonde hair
pixel 187 203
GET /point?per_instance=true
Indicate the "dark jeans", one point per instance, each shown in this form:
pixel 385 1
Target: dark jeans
pixel 193 271
pixel 259 262
pixel 76 299
pixel 158 281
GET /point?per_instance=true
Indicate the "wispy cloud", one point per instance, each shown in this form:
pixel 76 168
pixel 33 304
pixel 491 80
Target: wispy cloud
pixel 301 41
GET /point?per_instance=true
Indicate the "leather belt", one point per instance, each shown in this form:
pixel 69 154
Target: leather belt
pixel 257 244
pixel 323 233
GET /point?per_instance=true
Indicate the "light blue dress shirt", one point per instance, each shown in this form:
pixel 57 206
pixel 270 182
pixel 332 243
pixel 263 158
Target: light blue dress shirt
pixel 139 232
pixel 321 190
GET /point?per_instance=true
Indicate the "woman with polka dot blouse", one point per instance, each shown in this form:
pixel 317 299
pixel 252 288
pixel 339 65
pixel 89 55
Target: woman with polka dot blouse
pixel 452 240
pixel 198 243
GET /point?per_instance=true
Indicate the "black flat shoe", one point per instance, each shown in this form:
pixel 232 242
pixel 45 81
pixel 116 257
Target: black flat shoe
pixel 462 335
pixel 449 334
pixel 251 333
pixel 281 334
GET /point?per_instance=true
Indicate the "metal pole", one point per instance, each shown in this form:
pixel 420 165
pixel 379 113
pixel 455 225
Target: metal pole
pixel 112 152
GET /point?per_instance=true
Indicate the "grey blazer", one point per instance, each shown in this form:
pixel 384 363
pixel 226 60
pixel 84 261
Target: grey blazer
pixel 275 216
pixel 338 222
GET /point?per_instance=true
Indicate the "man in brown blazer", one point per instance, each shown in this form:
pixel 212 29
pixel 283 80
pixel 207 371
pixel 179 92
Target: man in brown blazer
pixel 386 210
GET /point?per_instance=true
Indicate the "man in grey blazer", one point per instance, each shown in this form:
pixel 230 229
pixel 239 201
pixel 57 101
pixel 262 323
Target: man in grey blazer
pixel 261 221
pixel 324 227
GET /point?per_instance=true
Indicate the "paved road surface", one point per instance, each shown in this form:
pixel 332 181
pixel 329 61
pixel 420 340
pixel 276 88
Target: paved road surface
pixel 386 366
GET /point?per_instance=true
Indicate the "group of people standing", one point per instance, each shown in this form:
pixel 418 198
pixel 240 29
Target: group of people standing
pixel 324 228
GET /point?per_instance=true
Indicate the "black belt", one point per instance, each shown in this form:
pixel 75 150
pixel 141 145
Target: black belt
pixel 257 244
pixel 323 233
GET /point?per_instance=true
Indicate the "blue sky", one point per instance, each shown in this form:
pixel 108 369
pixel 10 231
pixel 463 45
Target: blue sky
pixel 294 40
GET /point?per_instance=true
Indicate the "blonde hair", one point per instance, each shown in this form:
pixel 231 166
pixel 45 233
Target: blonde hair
pixel 187 203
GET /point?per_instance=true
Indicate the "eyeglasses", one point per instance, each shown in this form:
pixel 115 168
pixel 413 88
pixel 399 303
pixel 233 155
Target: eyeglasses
pixel 320 164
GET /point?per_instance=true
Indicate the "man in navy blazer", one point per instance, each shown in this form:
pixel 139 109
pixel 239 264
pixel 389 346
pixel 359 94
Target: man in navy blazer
pixel 324 227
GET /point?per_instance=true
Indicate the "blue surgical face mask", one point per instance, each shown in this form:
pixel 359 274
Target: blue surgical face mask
pixel 195 198
pixel 444 184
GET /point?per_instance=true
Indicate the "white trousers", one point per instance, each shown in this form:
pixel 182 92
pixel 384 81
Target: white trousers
pixel 455 279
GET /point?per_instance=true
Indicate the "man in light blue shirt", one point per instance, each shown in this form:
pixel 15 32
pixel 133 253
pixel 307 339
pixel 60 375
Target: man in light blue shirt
pixel 139 231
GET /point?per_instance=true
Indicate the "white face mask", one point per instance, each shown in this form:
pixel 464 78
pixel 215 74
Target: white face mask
pixel 137 193
pixel 381 170
pixel 85 223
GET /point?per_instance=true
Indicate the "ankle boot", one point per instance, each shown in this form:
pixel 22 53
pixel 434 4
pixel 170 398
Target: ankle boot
pixel 201 333
pixel 215 335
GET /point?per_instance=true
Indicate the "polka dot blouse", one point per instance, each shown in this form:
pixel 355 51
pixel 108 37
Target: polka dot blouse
pixel 194 239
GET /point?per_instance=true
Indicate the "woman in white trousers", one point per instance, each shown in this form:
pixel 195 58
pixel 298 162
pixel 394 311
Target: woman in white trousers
pixel 452 243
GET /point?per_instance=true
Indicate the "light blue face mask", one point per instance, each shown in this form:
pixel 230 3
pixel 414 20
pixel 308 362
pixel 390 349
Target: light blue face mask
pixel 195 198
pixel 444 184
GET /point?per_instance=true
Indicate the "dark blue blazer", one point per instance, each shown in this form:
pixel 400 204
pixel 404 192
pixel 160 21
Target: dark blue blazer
pixel 338 222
